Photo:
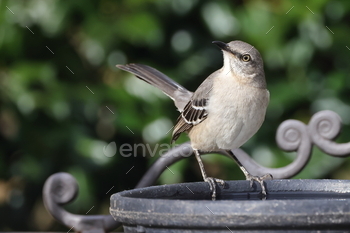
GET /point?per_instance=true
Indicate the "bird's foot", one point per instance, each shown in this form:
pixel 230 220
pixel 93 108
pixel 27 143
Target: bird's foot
pixel 212 184
pixel 260 180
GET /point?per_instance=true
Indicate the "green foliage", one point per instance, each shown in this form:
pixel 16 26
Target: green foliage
pixel 62 100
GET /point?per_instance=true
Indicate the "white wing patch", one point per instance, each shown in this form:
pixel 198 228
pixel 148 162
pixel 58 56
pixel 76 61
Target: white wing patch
pixel 195 111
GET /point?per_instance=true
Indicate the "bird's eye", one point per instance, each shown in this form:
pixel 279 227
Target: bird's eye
pixel 246 58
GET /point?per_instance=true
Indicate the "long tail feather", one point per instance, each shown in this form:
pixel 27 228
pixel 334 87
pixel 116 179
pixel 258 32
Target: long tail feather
pixel 175 91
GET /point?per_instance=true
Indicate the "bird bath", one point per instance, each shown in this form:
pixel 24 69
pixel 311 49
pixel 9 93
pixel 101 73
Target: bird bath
pixel 187 207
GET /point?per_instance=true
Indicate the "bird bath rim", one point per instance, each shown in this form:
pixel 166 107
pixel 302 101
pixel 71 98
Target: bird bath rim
pixel 320 203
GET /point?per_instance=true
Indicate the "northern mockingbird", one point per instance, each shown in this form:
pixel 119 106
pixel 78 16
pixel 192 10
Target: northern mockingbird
pixel 225 111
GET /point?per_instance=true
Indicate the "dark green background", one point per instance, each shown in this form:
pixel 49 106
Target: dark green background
pixel 51 122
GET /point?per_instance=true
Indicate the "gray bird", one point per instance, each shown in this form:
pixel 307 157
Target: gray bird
pixel 225 111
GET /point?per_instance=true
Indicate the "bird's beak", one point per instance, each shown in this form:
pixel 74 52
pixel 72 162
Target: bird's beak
pixel 222 45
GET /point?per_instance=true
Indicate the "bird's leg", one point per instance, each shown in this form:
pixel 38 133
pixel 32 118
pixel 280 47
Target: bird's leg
pixel 210 180
pixel 251 178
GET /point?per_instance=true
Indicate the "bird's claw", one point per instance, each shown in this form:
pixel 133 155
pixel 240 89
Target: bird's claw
pixel 212 185
pixel 260 180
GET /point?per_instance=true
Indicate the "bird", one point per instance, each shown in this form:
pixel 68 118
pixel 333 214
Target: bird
pixel 224 112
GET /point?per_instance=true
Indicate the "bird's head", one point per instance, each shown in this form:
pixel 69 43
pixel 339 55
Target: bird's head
pixel 243 62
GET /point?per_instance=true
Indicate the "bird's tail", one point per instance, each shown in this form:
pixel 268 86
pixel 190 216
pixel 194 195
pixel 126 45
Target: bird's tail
pixel 175 91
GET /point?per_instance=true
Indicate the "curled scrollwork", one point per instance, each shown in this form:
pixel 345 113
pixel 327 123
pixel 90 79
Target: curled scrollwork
pixel 291 135
pixel 64 188
pixel 325 126
pixel 60 189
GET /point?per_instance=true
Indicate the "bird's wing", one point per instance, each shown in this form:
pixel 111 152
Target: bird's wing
pixel 195 110
pixel 175 91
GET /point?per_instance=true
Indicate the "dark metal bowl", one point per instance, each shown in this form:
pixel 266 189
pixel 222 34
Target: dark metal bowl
pixel 290 205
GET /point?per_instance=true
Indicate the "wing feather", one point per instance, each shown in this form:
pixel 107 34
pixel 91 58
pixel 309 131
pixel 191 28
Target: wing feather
pixel 191 116
pixel 195 111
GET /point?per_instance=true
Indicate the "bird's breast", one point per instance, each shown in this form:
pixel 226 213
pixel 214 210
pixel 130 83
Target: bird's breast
pixel 235 113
